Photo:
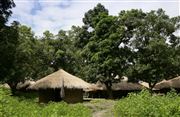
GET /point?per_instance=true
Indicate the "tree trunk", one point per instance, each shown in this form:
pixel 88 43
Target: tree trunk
pixel 151 86
pixel 13 87
pixel 109 89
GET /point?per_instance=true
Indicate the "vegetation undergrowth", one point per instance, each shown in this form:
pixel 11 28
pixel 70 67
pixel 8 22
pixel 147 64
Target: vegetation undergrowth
pixel 15 107
pixel 146 105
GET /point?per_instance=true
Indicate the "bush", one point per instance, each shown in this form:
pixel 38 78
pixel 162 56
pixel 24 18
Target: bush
pixel 15 107
pixel 147 105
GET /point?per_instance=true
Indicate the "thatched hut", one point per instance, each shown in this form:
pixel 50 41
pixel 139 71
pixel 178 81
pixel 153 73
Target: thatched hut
pixel 166 85
pixel 97 90
pixel 118 89
pixel 21 86
pixel 60 85
pixel 122 89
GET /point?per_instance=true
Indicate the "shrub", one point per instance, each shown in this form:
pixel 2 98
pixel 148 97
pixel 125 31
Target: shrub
pixel 146 105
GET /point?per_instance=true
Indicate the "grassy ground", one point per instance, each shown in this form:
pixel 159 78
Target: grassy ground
pixel 134 105
pixel 144 104
pixel 101 107
pixel 15 106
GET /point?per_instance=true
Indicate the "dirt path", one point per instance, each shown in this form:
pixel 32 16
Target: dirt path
pixel 101 107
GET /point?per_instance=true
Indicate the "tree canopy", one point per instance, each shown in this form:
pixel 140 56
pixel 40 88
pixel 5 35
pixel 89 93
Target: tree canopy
pixel 140 45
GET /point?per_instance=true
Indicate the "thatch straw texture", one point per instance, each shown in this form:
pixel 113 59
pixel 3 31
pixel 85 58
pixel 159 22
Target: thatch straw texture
pixel 118 86
pixel 58 79
pixel 126 86
pixel 24 85
pixel 165 84
pixel 5 86
pixel 162 85
pixel 100 85
pixel 93 87
pixel 175 82
pixel 144 84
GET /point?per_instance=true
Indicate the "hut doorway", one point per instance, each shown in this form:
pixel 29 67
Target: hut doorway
pixel 73 95
pixel 49 95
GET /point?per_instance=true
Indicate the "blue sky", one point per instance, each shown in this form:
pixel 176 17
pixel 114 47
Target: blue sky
pixel 54 15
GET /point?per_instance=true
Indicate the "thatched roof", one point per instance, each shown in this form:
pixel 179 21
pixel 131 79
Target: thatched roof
pixel 172 83
pixel 5 86
pixel 60 79
pixel 24 85
pixel 126 86
pixel 97 86
pixel 162 85
pixel 100 85
pixel 175 82
pixel 123 85
pixel 93 87
pixel 144 84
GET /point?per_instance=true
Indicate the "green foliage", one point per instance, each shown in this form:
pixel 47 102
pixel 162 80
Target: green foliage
pixel 102 51
pixel 146 105
pixel 8 45
pixel 8 40
pixel 140 45
pixel 5 10
pixel 137 44
pixel 13 107
pixel 153 43
pixel 93 16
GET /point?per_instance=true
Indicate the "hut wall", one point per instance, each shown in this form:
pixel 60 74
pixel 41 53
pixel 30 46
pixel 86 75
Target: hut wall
pixel 120 93
pixel 177 90
pixel 49 95
pixel 166 90
pixel 73 95
pixel 116 93
pixel 98 94
pixel 163 91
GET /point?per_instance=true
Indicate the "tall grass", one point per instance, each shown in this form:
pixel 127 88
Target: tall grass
pixel 15 107
pixel 146 105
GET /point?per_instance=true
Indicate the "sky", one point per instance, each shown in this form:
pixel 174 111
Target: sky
pixel 54 15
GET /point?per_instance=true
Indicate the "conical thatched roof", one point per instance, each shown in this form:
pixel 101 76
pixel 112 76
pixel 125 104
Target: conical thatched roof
pixel 172 83
pixel 58 79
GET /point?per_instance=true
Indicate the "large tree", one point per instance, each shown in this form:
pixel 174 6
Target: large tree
pixel 8 44
pixel 93 16
pixel 8 40
pixel 153 45
pixel 103 55
pixel 141 45
pixel 5 11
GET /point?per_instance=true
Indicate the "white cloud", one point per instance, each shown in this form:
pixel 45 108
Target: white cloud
pixel 54 15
